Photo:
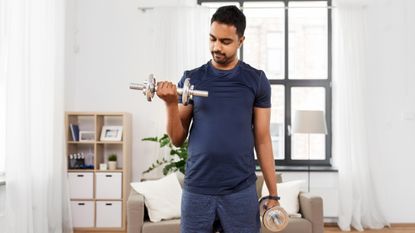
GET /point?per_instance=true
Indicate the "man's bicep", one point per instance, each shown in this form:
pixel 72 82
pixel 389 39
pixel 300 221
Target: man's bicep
pixel 186 114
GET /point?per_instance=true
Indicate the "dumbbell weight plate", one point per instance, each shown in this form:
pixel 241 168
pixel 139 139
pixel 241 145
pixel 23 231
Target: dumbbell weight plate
pixel 274 219
pixel 186 97
pixel 151 87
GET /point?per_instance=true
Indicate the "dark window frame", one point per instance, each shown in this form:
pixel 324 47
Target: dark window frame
pixel 289 83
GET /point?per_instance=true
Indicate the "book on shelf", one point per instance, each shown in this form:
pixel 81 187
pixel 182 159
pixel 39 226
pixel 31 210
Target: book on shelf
pixel 74 132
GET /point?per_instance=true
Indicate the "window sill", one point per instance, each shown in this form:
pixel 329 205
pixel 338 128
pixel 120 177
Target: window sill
pixel 304 169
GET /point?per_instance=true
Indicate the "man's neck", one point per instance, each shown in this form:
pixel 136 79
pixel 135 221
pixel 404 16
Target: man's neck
pixel 228 66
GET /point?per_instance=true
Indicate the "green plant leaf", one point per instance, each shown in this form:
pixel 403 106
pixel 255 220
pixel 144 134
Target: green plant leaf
pixel 164 142
pixel 152 139
pixel 177 159
pixel 174 152
pixel 180 163
pixel 112 157
pixel 169 168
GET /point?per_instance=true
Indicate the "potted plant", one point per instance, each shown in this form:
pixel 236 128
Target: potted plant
pixel 177 159
pixel 112 162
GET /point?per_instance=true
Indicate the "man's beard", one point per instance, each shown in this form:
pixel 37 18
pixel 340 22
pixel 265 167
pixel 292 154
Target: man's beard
pixel 221 58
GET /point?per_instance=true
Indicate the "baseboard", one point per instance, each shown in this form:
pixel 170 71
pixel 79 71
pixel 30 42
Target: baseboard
pixel 330 224
pixel 330 220
pixel 392 225
pixel 409 224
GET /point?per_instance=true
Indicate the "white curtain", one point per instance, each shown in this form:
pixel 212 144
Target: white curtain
pixel 32 73
pixel 181 37
pixel 358 205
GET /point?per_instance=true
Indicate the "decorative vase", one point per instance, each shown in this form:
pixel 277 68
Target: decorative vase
pixel 112 165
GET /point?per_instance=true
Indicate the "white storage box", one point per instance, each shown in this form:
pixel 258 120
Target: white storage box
pixel 81 185
pixel 109 214
pixel 82 213
pixel 108 185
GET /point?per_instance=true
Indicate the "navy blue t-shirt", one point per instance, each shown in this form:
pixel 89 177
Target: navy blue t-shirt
pixel 221 140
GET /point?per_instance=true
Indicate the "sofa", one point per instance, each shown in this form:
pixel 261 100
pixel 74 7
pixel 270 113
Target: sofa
pixel 311 210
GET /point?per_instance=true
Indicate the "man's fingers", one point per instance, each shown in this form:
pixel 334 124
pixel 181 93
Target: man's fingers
pixel 160 85
pixel 164 84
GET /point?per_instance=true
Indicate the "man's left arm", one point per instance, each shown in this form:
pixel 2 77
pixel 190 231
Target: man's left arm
pixel 263 148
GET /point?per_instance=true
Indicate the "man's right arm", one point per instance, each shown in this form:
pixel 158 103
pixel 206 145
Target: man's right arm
pixel 178 122
pixel 178 115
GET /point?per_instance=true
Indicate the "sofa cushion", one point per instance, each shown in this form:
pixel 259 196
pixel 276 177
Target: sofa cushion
pixel 165 226
pixel 288 192
pixel 162 197
pixel 295 225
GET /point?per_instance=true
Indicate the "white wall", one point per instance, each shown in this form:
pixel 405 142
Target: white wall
pixel 109 45
pixel 103 53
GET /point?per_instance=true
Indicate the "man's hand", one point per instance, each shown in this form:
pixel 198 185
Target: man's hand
pixel 271 203
pixel 167 91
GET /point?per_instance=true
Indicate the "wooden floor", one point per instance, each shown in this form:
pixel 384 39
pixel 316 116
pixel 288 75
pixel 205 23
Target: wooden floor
pixel 393 229
pixel 332 229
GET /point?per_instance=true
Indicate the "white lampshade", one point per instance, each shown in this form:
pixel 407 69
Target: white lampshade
pixel 308 121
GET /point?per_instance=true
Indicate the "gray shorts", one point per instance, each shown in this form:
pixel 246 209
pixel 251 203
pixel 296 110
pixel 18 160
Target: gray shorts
pixel 231 213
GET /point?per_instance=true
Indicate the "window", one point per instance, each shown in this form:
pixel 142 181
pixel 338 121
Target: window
pixel 291 41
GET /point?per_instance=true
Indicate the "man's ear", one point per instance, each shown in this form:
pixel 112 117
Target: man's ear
pixel 241 40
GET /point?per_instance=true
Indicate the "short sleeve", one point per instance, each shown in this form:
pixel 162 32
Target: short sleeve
pixel 180 85
pixel 263 94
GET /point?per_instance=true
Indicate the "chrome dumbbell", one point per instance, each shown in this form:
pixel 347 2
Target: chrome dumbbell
pixel 149 88
pixel 274 219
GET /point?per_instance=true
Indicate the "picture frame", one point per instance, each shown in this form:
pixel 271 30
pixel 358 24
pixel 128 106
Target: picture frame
pixel 86 136
pixel 111 133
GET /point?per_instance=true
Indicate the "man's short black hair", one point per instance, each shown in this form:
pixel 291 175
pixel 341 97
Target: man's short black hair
pixel 230 15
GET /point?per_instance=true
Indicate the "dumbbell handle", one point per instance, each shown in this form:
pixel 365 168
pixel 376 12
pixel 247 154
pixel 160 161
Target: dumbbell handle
pixel 138 86
pixel 194 92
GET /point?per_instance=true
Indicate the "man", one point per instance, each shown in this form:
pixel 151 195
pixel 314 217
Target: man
pixel 219 188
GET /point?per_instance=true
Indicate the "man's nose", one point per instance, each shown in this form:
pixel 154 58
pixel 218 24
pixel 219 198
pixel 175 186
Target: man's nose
pixel 217 46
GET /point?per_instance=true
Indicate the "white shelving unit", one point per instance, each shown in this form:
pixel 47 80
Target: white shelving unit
pixel 99 197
